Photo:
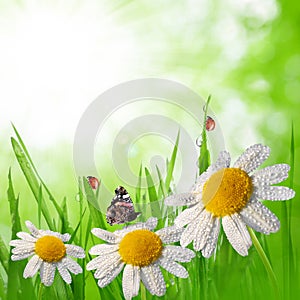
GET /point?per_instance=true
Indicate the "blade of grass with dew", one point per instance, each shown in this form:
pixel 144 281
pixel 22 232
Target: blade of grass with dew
pixel 139 186
pixel 171 164
pixel 204 158
pixel 32 181
pixel 96 214
pixel 39 201
pixel 162 193
pixel 31 167
pixel 155 207
pixel 266 263
pixel 4 255
pixel 65 225
pixel 61 289
pixel 15 269
pixel 204 161
pixel 286 241
pixel 78 282
pixel 2 288
pixel 289 206
pixel 30 162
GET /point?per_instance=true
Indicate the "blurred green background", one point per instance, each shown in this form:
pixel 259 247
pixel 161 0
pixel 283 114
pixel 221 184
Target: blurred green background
pixel 56 57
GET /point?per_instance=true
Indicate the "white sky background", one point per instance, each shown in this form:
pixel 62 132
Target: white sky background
pixel 56 58
pixel 54 62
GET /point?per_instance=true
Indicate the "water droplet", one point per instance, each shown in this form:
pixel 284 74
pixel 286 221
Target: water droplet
pixel 199 141
pixel 77 197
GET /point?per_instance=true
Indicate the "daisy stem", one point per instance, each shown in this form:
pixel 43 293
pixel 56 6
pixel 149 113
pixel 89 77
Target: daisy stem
pixel 40 292
pixel 143 292
pixel 265 262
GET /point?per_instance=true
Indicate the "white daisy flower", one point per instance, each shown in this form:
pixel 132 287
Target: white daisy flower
pixel 49 252
pixel 231 194
pixel 142 252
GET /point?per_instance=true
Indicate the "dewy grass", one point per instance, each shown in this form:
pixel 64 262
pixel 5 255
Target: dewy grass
pixel 225 275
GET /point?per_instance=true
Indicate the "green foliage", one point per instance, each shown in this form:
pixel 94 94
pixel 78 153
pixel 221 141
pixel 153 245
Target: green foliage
pixel 225 276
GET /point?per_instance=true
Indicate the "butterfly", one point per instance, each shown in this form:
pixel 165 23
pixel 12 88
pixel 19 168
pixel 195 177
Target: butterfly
pixel 121 209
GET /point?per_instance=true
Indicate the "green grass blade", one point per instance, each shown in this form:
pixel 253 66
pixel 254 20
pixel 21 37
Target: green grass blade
pixel 39 201
pixel 204 158
pixel 138 189
pixel 171 164
pixel 31 180
pixel 266 263
pixel 4 255
pixel 155 208
pixel 96 215
pixel 162 193
pixel 31 165
pixel 15 269
pixel 2 288
pixel 289 206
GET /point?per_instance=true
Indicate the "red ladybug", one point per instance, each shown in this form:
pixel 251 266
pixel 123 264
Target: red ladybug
pixel 94 182
pixel 210 123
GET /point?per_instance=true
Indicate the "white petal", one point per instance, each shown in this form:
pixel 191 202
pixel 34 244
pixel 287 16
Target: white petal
pixel 63 271
pixel 198 186
pixel 103 260
pixel 104 268
pixel 75 251
pixel 47 273
pixel 259 217
pixel 105 235
pixel 237 233
pixel 103 249
pixel 109 277
pixel 274 193
pixel 153 280
pixel 206 221
pixel 72 265
pixel 32 267
pixel 64 237
pixel 131 281
pixel 188 214
pixel 178 253
pixel 26 237
pixel 189 233
pixel 211 242
pixel 252 158
pixel 34 231
pixel 21 256
pixel 271 175
pixel 150 224
pixel 20 243
pixel 170 234
pixel 223 161
pixel 173 267
pixel 23 249
pixel 181 199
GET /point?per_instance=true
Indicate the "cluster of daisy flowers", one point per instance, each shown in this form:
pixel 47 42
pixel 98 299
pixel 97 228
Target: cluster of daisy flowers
pixel 230 195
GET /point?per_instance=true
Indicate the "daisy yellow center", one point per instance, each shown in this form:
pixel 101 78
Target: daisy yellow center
pixel 50 248
pixel 140 247
pixel 227 191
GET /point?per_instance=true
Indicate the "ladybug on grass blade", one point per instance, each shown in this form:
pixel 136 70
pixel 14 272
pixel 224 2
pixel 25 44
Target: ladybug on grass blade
pixel 93 181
